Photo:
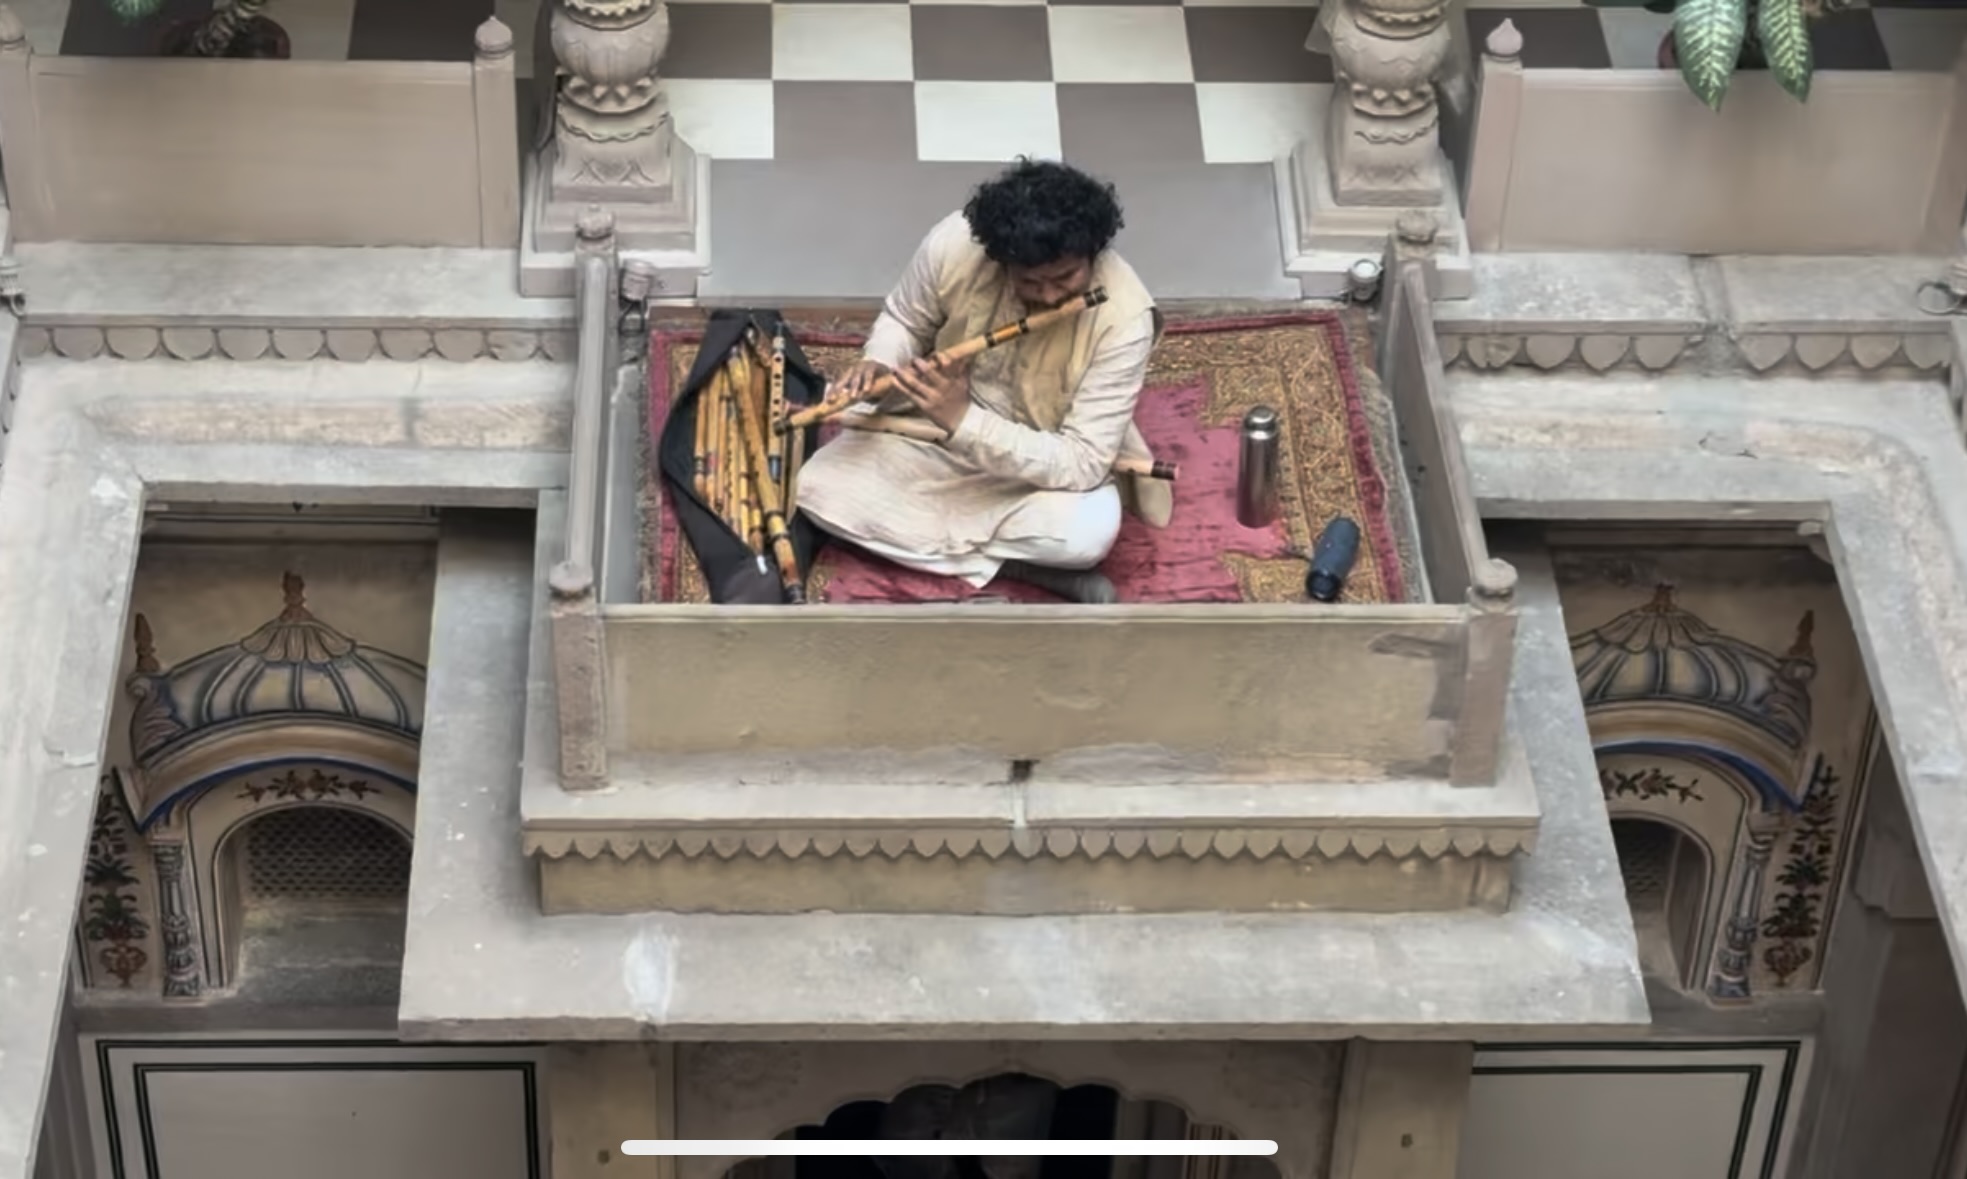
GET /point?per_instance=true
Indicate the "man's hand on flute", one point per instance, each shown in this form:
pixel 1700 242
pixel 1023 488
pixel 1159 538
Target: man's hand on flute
pixel 858 379
pixel 940 391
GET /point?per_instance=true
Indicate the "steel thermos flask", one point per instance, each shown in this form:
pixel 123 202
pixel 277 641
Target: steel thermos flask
pixel 1257 469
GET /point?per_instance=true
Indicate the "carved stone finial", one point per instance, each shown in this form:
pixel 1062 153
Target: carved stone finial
pixel 1802 649
pixel 1505 41
pixel 13 34
pixel 1662 602
pixel 146 649
pixel 1417 227
pixel 294 591
pixel 570 581
pixel 1494 584
pixel 493 39
pixel 595 224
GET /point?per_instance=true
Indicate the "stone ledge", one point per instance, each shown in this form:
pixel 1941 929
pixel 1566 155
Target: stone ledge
pixel 75 284
pixel 265 341
pixel 1031 843
pixel 1652 313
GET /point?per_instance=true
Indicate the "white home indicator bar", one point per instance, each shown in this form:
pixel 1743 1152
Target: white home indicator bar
pixel 949 1147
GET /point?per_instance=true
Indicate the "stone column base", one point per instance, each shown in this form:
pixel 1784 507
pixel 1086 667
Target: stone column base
pixel 1322 238
pixel 672 235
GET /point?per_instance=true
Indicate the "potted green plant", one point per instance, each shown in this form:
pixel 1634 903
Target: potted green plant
pixel 1712 39
pixel 236 28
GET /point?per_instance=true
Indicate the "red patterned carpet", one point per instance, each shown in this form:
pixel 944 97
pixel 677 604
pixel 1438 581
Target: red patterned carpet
pixel 1203 377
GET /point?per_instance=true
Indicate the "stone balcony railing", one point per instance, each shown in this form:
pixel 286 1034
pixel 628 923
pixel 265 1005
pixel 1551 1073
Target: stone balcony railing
pixel 1018 758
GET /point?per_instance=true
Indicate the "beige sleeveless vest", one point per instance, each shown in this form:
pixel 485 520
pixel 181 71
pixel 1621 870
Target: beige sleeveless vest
pixel 1045 368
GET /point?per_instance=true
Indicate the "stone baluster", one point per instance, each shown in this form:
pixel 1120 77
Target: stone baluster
pixel 1381 129
pixel 614 144
pixel 1378 154
pixel 1734 959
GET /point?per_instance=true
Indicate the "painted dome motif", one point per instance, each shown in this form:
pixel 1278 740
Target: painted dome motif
pixel 294 667
pixel 1660 653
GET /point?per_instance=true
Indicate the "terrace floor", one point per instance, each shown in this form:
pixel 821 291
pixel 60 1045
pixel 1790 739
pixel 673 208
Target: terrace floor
pixel 840 131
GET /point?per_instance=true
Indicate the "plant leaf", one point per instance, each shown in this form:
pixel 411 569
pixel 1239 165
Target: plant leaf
pixel 1785 37
pixel 134 10
pixel 1707 37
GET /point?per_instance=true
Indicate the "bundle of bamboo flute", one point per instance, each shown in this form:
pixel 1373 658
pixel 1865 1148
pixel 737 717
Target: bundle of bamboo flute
pixel 746 471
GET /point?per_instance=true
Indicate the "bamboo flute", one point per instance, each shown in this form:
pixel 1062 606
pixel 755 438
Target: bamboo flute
pixel 924 430
pixel 798 459
pixel 701 455
pixel 771 509
pixel 995 338
pixel 727 453
pixel 775 411
pixel 710 422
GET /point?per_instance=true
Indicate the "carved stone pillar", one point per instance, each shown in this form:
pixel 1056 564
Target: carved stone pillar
pixel 182 978
pixel 1381 129
pixel 614 146
pixel 1379 154
pixel 1736 954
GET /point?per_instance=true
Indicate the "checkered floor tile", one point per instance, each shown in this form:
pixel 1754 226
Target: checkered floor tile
pixel 1105 82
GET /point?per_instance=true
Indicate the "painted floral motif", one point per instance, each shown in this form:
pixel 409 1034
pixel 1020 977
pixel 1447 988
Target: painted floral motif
pixel 112 921
pixel 1796 914
pixel 314 787
pixel 1647 784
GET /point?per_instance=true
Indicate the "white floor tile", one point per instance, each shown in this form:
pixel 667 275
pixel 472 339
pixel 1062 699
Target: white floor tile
pixel 1254 122
pixel 723 119
pixel 1247 3
pixel 319 29
pixel 841 43
pixel 1921 38
pixel 1094 43
pixel 992 122
pixel 1632 36
pixel 991 3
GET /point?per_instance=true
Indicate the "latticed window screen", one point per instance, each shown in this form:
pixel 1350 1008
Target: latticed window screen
pixel 313 853
pixel 1646 859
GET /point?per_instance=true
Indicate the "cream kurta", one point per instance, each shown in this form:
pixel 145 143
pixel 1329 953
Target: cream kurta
pixel 1000 488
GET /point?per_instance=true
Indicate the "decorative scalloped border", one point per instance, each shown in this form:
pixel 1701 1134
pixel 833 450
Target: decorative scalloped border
pixel 1030 843
pixel 1658 351
pixel 351 344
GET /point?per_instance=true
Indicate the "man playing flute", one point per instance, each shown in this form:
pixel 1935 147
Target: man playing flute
pixel 1022 485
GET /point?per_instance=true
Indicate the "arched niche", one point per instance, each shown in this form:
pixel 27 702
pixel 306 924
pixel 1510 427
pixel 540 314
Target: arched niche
pixel 1667 872
pixel 1727 819
pixel 325 817
pixel 1285 1092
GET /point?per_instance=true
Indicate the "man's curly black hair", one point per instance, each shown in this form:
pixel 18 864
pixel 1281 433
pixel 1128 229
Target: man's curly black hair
pixel 1039 212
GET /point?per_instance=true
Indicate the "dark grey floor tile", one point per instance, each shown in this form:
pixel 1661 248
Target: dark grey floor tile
pixel 1129 123
pixel 719 41
pixel 852 122
pixel 95 31
pixel 1848 40
pixel 413 30
pixel 1254 45
pixel 1128 3
pixel 981 43
pixel 1553 38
